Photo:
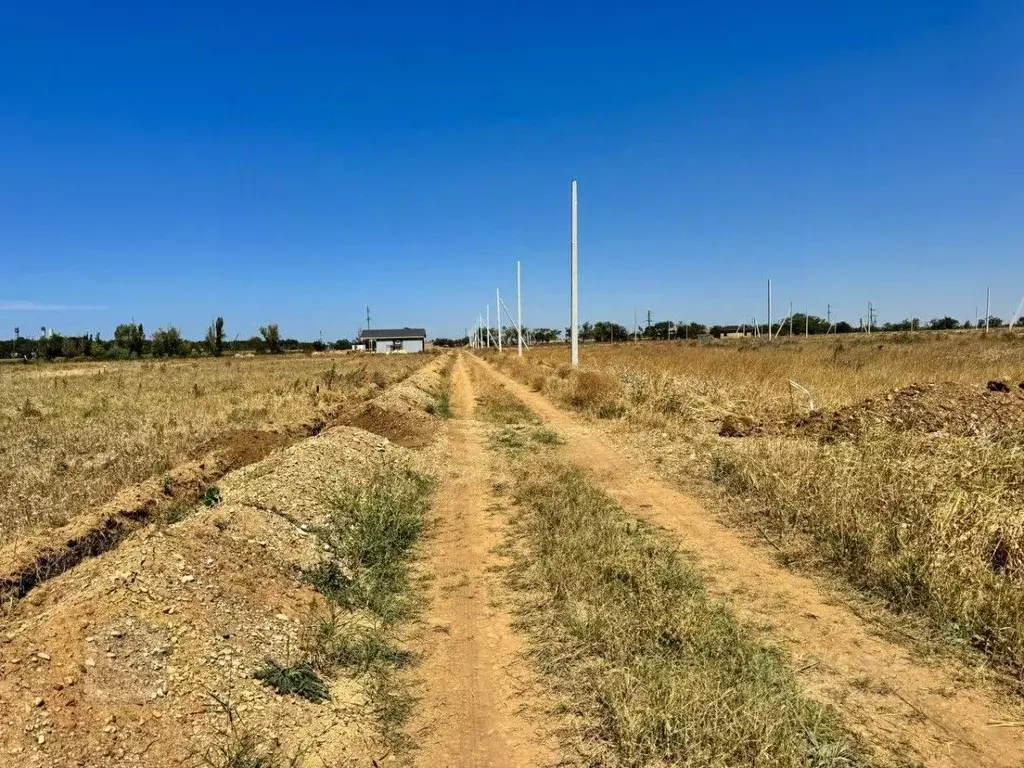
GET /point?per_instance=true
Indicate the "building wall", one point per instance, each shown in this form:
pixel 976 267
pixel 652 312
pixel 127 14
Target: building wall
pixel 383 346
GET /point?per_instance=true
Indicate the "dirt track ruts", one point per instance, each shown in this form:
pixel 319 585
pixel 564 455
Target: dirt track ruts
pixel 899 706
pixel 474 705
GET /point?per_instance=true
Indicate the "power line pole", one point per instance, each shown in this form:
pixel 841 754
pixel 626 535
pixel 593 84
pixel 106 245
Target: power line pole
pixel 519 305
pixel 791 318
pixel 574 331
pixel 497 307
pixel 367 317
pixel 769 309
pixel 988 297
pixel 488 326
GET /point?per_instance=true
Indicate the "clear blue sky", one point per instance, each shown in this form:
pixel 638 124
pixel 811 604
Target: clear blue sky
pixel 293 162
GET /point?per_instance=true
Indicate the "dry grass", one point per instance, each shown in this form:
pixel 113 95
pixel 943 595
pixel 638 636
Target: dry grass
pixel 932 523
pixel 624 629
pixel 752 378
pixel 72 435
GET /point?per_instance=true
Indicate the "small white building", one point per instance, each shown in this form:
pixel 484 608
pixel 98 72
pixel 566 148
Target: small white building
pixel 391 340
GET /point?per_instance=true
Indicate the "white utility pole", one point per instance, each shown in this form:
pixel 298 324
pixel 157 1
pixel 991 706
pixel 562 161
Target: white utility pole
pixel 519 303
pixel 574 333
pixel 769 309
pixel 988 297
pixel 488 326
pixel 791 318
pixel 497 307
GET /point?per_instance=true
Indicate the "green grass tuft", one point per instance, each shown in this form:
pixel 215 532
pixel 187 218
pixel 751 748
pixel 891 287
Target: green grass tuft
pixel 371 531
pixel 300 678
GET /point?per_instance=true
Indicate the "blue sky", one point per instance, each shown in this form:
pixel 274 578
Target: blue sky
pixel 294 162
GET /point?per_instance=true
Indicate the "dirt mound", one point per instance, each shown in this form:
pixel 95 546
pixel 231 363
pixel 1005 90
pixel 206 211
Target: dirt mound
pixel 244 446
pixel 955 409
pixel 136 656
pixel 409 433
pixel 416 392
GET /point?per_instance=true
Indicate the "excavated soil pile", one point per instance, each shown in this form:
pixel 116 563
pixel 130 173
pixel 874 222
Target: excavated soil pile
pixel 995 410
pixel 956 409
pixel 137 657
pixel 400 413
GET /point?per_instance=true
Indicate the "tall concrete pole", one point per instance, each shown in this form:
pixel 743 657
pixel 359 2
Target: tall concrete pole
pixel 519 304
pixel 574 332
pixel 769 309
pixel 988 297
pixel 488 326
pixel 497 307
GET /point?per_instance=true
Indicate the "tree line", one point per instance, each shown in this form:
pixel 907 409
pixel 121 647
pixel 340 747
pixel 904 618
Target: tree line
pixel 131 341
pixel 608 331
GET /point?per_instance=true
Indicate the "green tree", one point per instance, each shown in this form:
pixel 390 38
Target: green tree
pixel 50 346
pixel 168 342
pixel 271 337
pixel 215 337
pixel 128 336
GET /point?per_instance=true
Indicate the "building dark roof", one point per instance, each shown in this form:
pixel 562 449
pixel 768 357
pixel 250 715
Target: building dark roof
pixel 393 334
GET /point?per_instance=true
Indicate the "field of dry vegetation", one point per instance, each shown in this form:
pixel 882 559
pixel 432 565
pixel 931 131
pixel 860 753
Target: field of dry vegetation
pixel 72 435
pixel 905 476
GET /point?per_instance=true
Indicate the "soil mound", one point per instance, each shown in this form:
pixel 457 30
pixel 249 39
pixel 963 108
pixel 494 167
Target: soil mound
pixel 956 409
pixel 137 656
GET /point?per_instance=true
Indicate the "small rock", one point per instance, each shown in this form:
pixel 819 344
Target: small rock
pixel 997 386
pixel 38 702
pixel 90 662
pixel 187 579
pixel 43 655
pixel 41 739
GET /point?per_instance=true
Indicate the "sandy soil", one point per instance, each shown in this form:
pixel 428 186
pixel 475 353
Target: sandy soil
pixel 476 709
pixel 900 706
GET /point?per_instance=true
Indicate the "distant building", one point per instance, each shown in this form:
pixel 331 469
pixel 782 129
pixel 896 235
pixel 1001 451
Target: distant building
pixel 389 340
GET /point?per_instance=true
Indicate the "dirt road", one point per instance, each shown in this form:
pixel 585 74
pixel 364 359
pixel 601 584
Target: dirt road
pixel 475 708
pixel 899 706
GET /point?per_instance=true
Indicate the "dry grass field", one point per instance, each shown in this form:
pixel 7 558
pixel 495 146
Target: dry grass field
pixel 72 435
pixel 905 478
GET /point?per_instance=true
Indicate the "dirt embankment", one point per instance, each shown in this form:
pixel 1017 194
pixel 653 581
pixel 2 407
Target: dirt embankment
pixel 24 563
pixel 139 656
pixel 994 410
pixel 400 413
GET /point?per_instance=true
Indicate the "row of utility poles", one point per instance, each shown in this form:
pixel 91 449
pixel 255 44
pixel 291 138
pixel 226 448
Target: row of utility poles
pixel 481 336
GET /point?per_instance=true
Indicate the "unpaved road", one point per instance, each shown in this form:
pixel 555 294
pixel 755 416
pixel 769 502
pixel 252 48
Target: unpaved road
pixel 899 706
pixel 475 708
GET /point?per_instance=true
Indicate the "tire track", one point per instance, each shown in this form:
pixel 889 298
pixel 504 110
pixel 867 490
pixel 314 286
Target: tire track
pixel 474 709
